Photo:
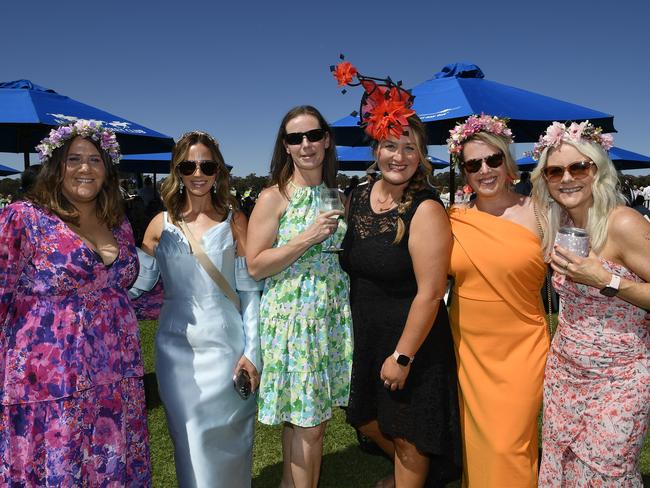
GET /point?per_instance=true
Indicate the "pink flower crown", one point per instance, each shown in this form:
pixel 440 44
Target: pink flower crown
pixel 582 132
pixel 473 125
pixel 90 129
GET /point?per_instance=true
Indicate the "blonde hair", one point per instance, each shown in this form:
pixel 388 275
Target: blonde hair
pixel 502 144
pixel 604 190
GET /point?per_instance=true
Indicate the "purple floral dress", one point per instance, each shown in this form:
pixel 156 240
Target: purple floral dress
pixel 73 409
pixel 596 389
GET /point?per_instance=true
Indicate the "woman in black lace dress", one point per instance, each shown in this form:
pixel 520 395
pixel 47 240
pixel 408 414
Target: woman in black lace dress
pixel 396 251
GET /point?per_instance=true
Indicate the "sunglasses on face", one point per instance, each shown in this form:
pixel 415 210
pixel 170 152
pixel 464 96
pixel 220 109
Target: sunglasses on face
pixel 295 138
pixel 493 161
pixel 577 170
pixel 208 168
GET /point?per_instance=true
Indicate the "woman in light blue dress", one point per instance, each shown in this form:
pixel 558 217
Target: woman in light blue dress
pixel 203 340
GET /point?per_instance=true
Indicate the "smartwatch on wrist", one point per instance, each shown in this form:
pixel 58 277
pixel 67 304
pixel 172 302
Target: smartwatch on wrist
pixel 612 289
pixel 402 359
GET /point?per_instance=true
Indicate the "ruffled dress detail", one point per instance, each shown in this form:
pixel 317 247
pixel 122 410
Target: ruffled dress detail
pixel 305 327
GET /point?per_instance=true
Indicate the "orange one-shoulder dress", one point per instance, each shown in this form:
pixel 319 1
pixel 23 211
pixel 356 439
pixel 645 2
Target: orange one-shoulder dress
pixel 501 340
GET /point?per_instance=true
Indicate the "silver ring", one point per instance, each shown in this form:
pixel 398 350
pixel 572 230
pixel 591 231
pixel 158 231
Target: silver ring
pixel 566 265
pixel 386 384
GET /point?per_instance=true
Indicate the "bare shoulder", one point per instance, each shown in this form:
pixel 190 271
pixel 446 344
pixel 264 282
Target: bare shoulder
pixel 428 212
pixel 152 234
pixel 625 221
pixel 270 195
pixel 271 201
pixel 154 229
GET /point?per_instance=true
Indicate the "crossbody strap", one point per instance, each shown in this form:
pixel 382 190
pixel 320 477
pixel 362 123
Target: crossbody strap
pixel 540 229
pixel 209 267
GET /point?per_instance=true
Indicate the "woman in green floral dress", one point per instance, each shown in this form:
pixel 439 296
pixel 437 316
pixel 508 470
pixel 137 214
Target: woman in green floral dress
pixel 305 321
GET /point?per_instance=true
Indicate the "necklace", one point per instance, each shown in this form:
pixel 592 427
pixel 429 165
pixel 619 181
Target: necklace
pixel 385 204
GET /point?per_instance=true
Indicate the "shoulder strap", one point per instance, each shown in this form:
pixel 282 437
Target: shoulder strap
pixel 209 267
pixel 548 282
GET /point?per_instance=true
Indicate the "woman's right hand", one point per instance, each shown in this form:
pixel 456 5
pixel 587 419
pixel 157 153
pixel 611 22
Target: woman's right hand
pixel 324 226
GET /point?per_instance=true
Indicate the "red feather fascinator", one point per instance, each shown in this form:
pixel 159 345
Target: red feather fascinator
pixel 385 105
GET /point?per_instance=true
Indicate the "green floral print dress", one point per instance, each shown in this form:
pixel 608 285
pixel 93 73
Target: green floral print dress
pixel 305 327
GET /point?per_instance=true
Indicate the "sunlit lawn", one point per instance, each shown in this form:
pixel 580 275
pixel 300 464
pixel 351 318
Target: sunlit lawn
pixel 344 464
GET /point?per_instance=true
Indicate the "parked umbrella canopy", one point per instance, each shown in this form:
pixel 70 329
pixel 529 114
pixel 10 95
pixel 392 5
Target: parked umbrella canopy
pixel 360 158
pixel 7 171
pixel 460 90
pixel 146 163
pixel 28 112
pixel 622 159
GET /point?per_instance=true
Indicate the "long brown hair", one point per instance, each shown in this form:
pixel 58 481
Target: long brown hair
pixel 170 190
pixel 281 162
pixel 47 191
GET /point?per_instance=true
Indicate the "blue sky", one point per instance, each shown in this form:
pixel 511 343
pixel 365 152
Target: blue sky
pixel 235 68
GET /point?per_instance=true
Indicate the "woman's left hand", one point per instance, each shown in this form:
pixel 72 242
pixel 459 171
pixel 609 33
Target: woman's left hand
pixel 586 270
pixel 244 363
pixel 394 375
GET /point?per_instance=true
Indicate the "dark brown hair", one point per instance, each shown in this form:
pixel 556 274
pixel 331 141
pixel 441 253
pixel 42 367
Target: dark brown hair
pixel 281 162
pixel 170 191
pixel 47 191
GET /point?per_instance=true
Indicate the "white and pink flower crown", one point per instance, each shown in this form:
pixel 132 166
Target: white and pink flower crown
pixel 84 128
pixel 473 125
pixel 576 132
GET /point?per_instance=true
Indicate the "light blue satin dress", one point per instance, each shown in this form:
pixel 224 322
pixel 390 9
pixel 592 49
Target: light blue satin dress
pixel 200 338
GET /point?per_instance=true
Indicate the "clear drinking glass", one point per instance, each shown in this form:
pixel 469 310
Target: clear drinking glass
pixel 330 200
pixel 574 239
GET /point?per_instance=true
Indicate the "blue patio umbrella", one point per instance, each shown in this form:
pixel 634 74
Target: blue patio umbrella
pixel 360 157
pixel 148 163
pixel 460 90
pixel 622 159
pixel 7 171
pixel 29 111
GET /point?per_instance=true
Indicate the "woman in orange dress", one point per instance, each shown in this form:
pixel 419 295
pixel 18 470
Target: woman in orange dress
pixel 497 315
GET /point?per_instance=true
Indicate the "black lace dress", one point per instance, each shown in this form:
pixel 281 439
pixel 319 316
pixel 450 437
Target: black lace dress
pixel 383 286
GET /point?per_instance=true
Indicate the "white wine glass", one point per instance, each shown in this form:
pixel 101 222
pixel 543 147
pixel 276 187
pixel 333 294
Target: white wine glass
pixel 330 199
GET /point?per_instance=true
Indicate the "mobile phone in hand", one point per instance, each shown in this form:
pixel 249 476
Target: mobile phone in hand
pixel 242 384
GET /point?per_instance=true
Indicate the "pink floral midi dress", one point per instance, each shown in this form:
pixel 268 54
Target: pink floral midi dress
pixel 596 389
pixel 72 409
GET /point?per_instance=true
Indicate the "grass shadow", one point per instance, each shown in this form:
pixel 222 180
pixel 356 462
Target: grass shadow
pixel 349 467
pixel 346 468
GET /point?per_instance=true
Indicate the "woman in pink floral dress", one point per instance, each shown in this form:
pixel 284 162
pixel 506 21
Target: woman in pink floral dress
pixel 597 379
pixel 72 409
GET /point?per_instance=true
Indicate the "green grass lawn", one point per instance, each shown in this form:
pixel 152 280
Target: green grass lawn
pixel 344 464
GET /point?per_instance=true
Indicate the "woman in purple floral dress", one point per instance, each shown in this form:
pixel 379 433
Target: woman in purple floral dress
pixel 597 378
pixel 73 409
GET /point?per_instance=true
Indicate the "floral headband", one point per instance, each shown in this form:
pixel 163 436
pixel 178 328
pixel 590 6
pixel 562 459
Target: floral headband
pixel 582 132
pixel 473 125
pixel 90 129
pixel 385 105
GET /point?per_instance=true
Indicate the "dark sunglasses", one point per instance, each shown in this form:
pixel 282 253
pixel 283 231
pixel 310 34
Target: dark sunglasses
pixel 493 161
pixel 208 168
pixel 295 138
pixel 577 170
